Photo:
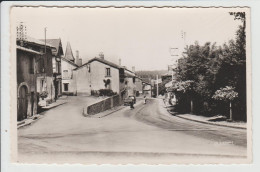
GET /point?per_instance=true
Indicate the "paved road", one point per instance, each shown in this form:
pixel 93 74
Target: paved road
pixel 127 136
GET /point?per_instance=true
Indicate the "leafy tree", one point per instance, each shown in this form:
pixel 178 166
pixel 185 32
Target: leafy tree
pixel 211 67
pixel 226 94
pixel 186 87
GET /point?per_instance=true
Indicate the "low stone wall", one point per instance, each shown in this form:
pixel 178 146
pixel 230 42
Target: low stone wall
pixel 101 106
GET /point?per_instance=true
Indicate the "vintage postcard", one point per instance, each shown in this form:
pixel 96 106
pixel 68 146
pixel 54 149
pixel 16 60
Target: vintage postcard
pixel 130 85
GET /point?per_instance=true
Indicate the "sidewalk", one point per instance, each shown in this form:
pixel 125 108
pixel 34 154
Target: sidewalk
pixel 62 100
pixel 208 120
pixel 35 117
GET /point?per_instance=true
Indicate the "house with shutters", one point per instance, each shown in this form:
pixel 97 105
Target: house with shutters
pixel 67 67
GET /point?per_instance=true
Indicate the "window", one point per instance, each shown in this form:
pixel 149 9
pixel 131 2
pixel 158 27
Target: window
pixel 65 73
pixel 54 65
pixel 66 87
pixel 108 72
pixel 40 68
pixel 42 85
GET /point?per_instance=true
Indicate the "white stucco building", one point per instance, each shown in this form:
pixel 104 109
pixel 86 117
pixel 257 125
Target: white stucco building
pixel 97 74
pixel 67 66
pixel 130 82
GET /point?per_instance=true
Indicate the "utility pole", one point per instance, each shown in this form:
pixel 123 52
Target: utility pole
pixel 174 53
pixel 45 30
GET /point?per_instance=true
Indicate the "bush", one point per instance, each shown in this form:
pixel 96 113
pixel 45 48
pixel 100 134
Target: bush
pixel 106 92
pixel 43 94
pixel 95 93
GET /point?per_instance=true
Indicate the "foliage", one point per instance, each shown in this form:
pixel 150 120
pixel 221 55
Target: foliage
pixel 43 94
pixel 226 94
pixel 107 82
pixel 183 86
pixel 211 67
pixel 94 93
pixel 106 92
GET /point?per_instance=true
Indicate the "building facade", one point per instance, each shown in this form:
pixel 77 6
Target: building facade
pixel 147 89
pixel 139 85
pixel 68 82
pixel 26 82
pixel 33 62
pixel 95 75
pixel 67 67
pixel 57 53
pixel 130 81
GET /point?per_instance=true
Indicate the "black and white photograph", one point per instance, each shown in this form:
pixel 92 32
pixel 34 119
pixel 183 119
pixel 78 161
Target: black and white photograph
pixel 93 85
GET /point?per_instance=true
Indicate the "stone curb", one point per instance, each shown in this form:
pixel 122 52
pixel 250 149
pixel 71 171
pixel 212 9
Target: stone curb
pixel 48 108
pixel 205 122
pixel 28 121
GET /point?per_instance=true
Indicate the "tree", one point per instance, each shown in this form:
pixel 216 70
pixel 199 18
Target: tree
pixel 211 67
pixel 226 94
pixel 185 87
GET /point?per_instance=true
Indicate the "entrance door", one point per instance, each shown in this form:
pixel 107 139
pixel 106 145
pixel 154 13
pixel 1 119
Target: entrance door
pixel 56 86
pixel 32 103
pixel 23 104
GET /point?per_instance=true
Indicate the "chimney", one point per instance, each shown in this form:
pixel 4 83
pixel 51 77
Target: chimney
pixel 80 62
pixel 133 69
pixel 101 55
pixel 77 57
pixel 119 61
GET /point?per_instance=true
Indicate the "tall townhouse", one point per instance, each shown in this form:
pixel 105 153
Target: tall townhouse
pixel 67 66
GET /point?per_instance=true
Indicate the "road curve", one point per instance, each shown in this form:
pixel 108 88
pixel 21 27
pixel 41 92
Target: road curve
pixel 153 114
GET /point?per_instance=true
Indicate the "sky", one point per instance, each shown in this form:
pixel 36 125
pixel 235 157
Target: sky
pixel 140 37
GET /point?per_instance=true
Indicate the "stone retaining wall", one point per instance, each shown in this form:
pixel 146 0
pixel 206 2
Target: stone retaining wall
pixel 101 106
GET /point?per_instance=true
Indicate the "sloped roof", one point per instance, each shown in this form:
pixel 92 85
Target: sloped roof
pixel 28 50
pixel 38 42
pixel 70 62
pixel 68 53
pixel 102 61
pixel 56 43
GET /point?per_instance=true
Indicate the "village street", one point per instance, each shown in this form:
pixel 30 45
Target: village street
pixel 63 134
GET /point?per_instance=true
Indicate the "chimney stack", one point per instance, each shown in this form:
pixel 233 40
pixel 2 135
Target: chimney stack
pixel 77 57
pixel 119 61
pixel 80 62
pixel 101 55
pixel 133 69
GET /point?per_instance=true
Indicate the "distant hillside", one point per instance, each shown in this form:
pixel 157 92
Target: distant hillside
pixel 151 74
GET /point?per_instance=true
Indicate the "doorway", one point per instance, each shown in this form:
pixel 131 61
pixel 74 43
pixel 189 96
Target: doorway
pixel 23 103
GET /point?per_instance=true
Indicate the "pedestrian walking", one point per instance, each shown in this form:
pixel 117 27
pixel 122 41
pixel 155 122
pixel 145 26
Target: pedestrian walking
pixel 144 99
pixel 132 103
